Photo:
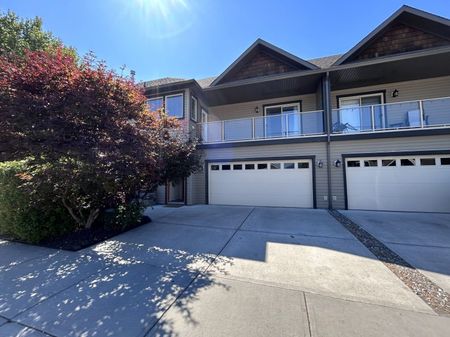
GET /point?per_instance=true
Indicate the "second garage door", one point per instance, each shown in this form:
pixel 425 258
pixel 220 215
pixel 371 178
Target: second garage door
pixel 261 183
pixel 410 183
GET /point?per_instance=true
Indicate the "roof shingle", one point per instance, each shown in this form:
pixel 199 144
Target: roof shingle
pixel 325 62
pixel 321 62
pixel 162 81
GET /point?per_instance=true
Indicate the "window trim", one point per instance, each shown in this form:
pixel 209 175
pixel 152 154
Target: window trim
pixel 155 98
pixel 362 94
pixel 196 109
pixel 281 105
pixel 206 113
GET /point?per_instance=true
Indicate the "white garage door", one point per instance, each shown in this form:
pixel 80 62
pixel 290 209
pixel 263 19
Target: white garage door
pixel 262 183
pixel 413 183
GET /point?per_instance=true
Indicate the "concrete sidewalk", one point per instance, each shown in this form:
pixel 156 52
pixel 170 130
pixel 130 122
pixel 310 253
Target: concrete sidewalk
pixel 212 271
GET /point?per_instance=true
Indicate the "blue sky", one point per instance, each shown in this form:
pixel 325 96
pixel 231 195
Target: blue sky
pixel 200 38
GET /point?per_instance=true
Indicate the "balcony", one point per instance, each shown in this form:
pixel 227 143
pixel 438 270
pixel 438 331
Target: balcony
pixel 420 114
pixel 288 125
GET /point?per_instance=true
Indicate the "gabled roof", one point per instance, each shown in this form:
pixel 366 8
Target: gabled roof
pixel 280 57
pixel 162 81
pixel 326 61
pixel 431 23
pixel 206 82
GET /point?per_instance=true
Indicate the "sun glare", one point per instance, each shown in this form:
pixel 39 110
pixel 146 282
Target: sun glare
pixel 162 18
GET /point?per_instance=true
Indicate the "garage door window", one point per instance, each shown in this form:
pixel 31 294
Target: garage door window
pixel 370 163
pixel 445 161
pixel 249 166
pixel 408 162
pixel 226 167
pixel 353 163
pixel 275 166
pixel 262 166
pixel 237 167
pixel 214 167
pixel 288 166
pixel 427 161
pixel 388 162
pixel 303 165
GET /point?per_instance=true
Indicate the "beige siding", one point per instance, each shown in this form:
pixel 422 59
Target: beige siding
pixel 425 143
pixel 247 109
pixel 408 91
pixel 263 151
pixel 161 195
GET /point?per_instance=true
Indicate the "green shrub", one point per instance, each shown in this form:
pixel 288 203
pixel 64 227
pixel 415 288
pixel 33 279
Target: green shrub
pixel 21 217
pixel 122 217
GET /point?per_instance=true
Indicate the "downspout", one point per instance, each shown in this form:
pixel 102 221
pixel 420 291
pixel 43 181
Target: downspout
pixel 327 109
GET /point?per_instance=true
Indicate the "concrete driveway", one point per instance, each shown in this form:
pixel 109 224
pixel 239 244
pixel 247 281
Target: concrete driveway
pixel 224 271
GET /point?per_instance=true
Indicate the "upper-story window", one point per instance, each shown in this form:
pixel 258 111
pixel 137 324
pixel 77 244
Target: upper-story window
pixel 174 105
pixel 194 109
pixel 155 103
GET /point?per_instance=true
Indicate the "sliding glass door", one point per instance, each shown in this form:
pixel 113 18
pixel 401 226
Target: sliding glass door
pixel 282 120
pixel 356 112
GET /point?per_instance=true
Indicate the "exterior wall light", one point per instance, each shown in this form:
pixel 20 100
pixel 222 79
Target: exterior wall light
pixel 337 163
pixel 257 110
pixel 395 93
pixel 319 164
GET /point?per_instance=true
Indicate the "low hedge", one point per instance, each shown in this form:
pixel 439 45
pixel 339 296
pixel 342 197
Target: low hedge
pixel 21 218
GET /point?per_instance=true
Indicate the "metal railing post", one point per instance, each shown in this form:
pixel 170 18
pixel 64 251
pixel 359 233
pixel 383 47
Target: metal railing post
pixel 223 131
pixel 421 113
pixel 253 128
pixel 286 131
pixel 372 117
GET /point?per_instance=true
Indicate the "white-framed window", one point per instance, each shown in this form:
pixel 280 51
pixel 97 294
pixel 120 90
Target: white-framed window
pixel 204 116
pixel 174 105
pixel 282 120
pixel 155 103
pixel 355 112
pixel 194 109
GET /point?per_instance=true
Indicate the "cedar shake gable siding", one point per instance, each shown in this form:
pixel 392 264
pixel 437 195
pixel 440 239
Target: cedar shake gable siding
pixel 261 64
pixel 401 38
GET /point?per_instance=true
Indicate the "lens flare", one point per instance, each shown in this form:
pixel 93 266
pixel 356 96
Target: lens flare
pixel 162 19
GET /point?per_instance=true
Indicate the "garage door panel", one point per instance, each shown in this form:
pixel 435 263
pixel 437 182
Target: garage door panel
pixel 424 188
pixel 262 187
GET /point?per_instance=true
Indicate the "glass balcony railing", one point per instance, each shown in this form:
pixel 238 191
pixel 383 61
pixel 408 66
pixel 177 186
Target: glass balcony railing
pixel 298 124
pixel 425 113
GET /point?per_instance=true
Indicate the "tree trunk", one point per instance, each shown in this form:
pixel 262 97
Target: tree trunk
pixel 93 214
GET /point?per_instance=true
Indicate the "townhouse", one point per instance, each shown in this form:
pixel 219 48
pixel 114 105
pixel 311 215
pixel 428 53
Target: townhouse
pixel 369 129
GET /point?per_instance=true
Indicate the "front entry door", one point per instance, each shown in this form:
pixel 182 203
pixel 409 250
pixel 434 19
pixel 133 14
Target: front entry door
pixel 175 191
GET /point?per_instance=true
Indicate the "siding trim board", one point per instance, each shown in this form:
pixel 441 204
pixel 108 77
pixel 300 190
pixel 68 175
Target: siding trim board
pixel 304 139
pixel 383 154
pixel 313 164
pixel 392 134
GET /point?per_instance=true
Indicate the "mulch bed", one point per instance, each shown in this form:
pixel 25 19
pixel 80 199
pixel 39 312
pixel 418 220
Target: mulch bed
pixel 85 237
pixel 88 237
pixel 433 295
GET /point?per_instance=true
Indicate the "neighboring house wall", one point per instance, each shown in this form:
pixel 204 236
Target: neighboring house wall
pixel 187 125
pixel 192 184
pixel 317 149
pixel 425 143
pixel 247 109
